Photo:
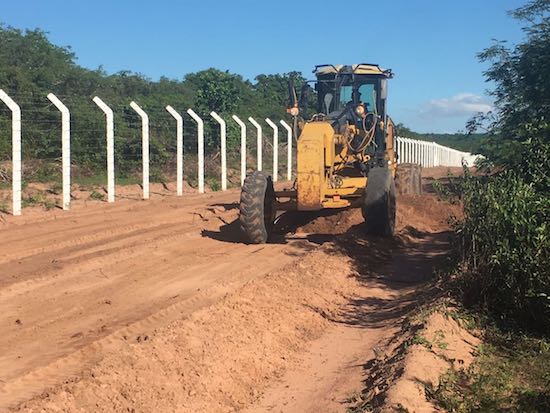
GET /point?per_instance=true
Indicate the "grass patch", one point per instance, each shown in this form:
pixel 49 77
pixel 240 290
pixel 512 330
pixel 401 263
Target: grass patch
pixel 90 181
pixel 56 188
pixel 213 183
pixel 510 374
pixel 37 200
pixel 97 196
pixel 449 190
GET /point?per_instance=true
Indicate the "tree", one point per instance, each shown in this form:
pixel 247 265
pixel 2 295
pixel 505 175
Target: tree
pixel 520 133
pixel 215 90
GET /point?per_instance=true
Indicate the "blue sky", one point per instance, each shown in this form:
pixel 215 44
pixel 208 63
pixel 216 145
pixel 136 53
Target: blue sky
pixel 431 45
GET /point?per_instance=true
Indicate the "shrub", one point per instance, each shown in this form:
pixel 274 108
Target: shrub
pixel 504 241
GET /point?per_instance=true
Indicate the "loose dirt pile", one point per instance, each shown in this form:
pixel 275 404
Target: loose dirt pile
pixel 410 365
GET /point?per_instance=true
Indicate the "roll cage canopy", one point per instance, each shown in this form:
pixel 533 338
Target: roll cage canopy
pixel 339 86
pixel 357 69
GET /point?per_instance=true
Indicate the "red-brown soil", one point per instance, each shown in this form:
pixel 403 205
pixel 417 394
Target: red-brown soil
pixel 157 305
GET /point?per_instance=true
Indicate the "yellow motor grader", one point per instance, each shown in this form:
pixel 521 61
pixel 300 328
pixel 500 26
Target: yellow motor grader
pixel 346 155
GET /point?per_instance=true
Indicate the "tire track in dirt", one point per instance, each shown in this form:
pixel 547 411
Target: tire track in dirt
pixel 69 293
pixel 176 315
pixel 108 225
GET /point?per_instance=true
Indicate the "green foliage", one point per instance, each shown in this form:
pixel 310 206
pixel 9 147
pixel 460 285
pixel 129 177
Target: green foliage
pixel 522 92
pixel 36 199
pixel 511 373
pixel 97 196
pixel 505 248
pixel 505 235
pixel 31 67
pixel 213 184
pixel 449 190
pixel 215 90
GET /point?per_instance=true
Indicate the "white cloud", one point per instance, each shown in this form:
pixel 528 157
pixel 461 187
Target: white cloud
pixel 459 105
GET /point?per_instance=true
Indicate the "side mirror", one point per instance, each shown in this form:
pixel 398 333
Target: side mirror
pixel 327 102
pixel 293 109
pixel 304 95
pixel 384 89
pixel 293 98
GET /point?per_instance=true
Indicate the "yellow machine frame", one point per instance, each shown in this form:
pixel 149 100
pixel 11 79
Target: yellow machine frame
pixel 320 154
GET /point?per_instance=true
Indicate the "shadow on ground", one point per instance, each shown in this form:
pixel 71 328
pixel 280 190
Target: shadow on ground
pixel 286 226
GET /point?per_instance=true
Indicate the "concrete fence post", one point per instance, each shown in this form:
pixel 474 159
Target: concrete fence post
pixel 200 148
pixel 223 147
pixel 65 149
pixel 15 151
pixel 289 149
pixel 398 149
pixel 243 147
pixel 110 138
pixel 275 148
pixel 179 149
pixel 258 142
pixel 144 147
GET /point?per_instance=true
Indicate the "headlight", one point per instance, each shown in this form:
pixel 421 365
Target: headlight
pixel 360 110
pixel 294 111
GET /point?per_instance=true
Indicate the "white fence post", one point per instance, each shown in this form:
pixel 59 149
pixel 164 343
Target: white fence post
pixel 223 149
pixel 200 147
pixel 426 154
pixel 110 137
pixel 144 147
pixel 275 148
pixel 400 150
pixel 425 144
pixel 15 151
pixel 243 147
pixel 179 149
pixel 65 149
pixel 432 154
pixel 289 149
pixel 258 142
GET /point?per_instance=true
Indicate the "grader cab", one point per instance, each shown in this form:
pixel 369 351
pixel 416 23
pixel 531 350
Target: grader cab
pixel 345 155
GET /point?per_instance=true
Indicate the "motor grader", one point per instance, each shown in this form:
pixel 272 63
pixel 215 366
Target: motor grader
pixel 346 155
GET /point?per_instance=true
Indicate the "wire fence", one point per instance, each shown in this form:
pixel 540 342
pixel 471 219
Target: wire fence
pixel 159 143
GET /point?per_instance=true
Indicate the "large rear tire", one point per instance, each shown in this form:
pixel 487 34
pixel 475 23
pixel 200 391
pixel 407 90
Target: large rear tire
pixel 379 203
pixel 257 207
pixel 408 179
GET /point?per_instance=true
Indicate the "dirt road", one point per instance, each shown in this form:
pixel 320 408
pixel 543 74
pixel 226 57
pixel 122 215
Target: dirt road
pixel 156 305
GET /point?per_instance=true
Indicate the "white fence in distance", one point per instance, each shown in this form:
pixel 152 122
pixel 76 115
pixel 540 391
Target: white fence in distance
pixel 430 154
pixel 427 154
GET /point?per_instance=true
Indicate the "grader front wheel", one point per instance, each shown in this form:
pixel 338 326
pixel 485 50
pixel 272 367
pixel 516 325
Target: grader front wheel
pixel 257 207
pixel 379 203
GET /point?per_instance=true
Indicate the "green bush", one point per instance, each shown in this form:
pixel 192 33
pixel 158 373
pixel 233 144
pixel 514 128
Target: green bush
pixel 504 241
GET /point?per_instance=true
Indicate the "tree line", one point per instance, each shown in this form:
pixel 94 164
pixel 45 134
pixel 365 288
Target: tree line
pixel 31 67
